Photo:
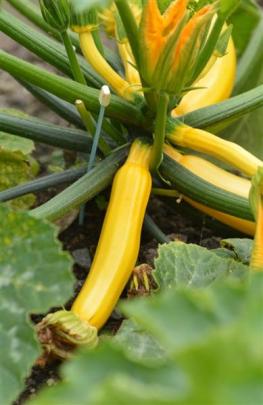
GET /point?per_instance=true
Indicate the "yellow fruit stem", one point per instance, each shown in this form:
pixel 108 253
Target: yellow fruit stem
pixel 216 83
pixel 97 61
pixel 226 151
pixel 219 178
pixel 119 242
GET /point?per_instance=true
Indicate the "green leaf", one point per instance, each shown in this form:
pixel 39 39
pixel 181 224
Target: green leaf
pixel 242 248
pixel 214 342
pixel 95 376
pixel 34 276
pixel 180 264
pixel 13 143
pixel 137 344
pixel 190 315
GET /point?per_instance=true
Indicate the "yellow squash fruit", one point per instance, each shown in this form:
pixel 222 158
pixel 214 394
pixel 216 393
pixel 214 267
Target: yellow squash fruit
pixel 219 178
pixel 119 242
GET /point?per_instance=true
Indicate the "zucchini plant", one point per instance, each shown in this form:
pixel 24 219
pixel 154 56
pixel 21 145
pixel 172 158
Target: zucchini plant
pixel 186 93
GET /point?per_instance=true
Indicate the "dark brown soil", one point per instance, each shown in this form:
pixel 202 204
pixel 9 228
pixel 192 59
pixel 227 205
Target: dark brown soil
pixel 176 220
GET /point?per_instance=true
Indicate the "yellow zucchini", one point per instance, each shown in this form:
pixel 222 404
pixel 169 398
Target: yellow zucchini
pixel 242 225
pixel 114 260
pixel 220 178
pixel 226 151
pixel 119 242
pixel 210 172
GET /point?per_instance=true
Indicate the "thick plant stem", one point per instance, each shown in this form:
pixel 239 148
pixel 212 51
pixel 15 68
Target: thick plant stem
pixel 83 189
pixel 31 12
pixel 159 133
pixel 76 71
pixel 70 91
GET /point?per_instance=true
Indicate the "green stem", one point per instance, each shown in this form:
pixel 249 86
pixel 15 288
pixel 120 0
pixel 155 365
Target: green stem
pixel 76 71
pixel 165 192
pixel 85 116
pixel 196 188
pixel 42 183
pixel 46 48
pixel 70 90
pixel 219 116
pixel 60 107
pixel 83 189
pixel 90 126
pixel 31 12
pixel 44 132
pixel 159 133
pixel 154 230
pixel 130 26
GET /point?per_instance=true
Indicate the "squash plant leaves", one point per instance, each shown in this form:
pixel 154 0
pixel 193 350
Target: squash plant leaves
pixel 242 248
pixel 214 355
pixel 34 276
pixel 181 264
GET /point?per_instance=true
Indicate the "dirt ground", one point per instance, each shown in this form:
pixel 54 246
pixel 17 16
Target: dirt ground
pixel 176 220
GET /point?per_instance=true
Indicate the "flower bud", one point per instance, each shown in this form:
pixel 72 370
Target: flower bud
pixel 56 13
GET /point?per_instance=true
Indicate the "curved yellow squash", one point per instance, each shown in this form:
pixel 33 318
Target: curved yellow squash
pixel 217 84
pixel 119 242
pixel 219 178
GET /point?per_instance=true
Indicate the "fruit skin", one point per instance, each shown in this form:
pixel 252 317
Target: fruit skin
pixel 220 178
pixel 205 142
pixel 119 242
pixel 218 84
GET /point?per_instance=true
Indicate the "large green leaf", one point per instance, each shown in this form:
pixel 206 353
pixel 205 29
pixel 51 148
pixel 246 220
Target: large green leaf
pixel 214 344
pixel 108 376
pixel 138 344
pixel 180 264
pixel 34 276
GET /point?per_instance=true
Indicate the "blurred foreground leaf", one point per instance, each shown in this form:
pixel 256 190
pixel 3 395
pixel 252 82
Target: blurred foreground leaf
pixel 34 276
pixel 214 355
